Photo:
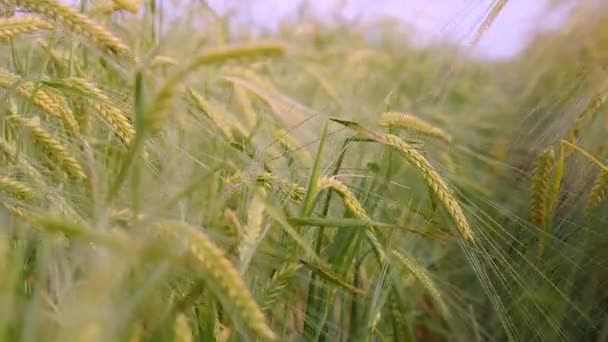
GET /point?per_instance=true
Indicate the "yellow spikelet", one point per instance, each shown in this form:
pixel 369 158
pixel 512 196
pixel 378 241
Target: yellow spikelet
pixel 46 99
pixel 350 201
pixel 599 192
pixel 53 148
pixel 162 61
pixel 539 194
pixel 291 145
pixel 244 101
pixel 237 51
pixel 398 120
pixel 430 175
pixel 115 117
pixel 223 279
pixel 253 229
pixel 10 151
pixel 16 188
pixel 12 27
pixel 216 114
pixel 75 22
pixel 286 188
pixel 128 5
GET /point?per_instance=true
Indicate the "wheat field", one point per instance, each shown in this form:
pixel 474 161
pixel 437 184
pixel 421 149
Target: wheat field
pixel 190 178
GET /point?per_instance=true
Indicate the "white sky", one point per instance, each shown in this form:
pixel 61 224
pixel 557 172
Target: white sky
pixel 453 19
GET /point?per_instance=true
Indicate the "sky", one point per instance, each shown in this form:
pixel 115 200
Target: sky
pixel 432 19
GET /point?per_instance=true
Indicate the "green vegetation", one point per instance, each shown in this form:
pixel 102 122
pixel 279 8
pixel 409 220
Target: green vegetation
pixel 209 182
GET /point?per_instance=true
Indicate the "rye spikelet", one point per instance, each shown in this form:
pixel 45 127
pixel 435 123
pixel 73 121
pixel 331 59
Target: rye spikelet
pixel 115 117
pixel 396 120
pixel 182 330
pixel 46 99
pixel 16 188
pixel 222 278
pixel 12 27
pixel 54 149
pixel 430 175
pixel 599 193
pixel 539 193
pixel 75 22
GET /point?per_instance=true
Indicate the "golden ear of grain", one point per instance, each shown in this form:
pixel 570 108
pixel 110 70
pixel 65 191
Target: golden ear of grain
pixel 16 188
pixel 539 193
pixel 286 188
pixel 396 120
pixel 253 229
pixel 223 279
pixel 182 331
pixel 115 117
pixel 213 112
pixel 53 148
pixel 162 61
pixel 128 5
pixel 13 27
pixel 10 151
pixel 244 101
pixel 238 51
pixel 291 145
pixel 599 193
pixel 48 100
pixel 75 22
pixel 350 201
pixel 288 111
pixel 421 275
pixel 430 175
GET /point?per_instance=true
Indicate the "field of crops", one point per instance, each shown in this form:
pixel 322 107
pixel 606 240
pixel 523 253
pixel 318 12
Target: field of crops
pixel 187 178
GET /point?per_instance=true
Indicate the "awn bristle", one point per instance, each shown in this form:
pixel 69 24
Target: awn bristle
pixel 539 193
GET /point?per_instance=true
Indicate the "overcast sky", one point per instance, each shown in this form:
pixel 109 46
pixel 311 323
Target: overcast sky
pixel 453 19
